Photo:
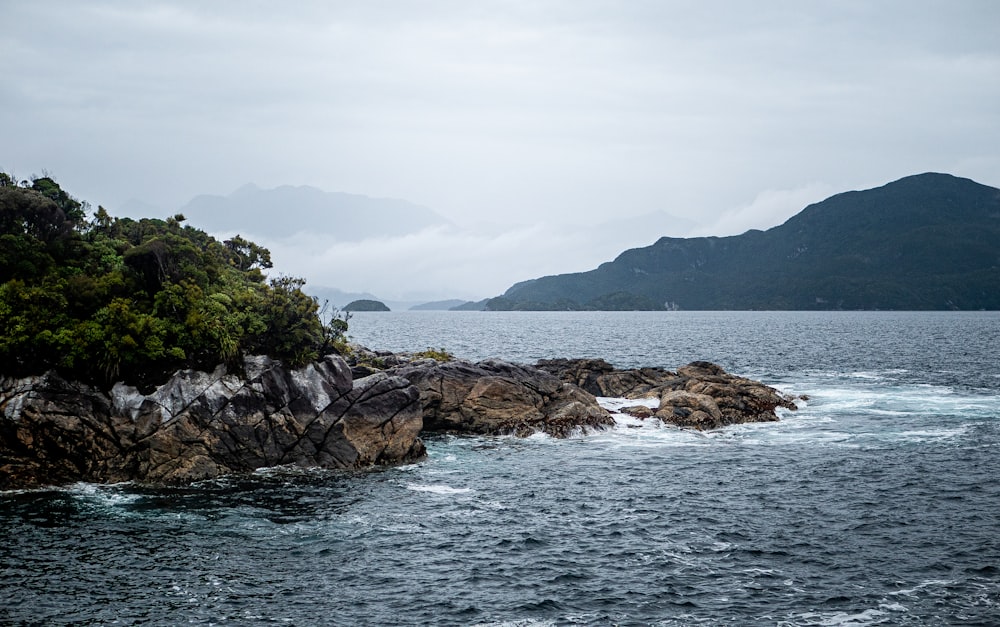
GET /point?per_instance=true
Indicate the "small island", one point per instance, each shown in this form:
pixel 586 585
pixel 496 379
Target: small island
pixel 365 305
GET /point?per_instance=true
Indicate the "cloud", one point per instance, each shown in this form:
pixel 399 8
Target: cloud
pixel 450 262
pixel 513 112
pixel 770 208
pixel 433 263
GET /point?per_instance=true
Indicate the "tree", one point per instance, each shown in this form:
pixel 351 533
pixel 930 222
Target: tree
pixel 111 298
pixel 247 255
pixel 74 210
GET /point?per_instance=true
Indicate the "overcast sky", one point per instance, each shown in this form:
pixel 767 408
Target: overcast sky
pixel 524 123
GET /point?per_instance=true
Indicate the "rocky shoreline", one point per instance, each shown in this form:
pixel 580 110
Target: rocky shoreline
pixel 335 414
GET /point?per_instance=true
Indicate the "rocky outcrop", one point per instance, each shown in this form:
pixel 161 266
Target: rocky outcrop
pixel 498 397
pixel 700 395
pixel 201 425
pixel 331 414
pixel 601 379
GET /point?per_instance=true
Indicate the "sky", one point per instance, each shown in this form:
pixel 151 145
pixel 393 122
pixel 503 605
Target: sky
pixel 550 134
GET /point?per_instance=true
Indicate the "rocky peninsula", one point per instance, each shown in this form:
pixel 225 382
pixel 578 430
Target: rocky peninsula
pixel 368 410
pixel 111 330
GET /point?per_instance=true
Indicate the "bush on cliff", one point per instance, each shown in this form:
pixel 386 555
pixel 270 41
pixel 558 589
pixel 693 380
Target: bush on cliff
pixel 119 299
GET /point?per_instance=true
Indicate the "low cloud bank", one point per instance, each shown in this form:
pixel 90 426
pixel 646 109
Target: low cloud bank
pixel 448 261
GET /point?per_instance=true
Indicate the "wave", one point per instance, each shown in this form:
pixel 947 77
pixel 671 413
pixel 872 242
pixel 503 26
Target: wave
pixel 437 489
pixel 858 415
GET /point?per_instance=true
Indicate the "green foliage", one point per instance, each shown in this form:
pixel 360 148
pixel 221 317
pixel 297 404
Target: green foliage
pixel 623 301
pixel 120 299
pixel 334 330
pixel 437 355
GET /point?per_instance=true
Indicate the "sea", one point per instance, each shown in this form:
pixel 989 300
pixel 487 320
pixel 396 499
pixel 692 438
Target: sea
pixel 877 502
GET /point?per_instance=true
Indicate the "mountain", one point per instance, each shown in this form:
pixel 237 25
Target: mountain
pixel 439 305
pixel 477 305
pixel 929 241
pixel 287 210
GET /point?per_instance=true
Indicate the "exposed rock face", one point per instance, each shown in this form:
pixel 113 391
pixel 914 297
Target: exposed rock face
pixel 700 395
pixel 498 397
pixel 601 379
pixel 200 425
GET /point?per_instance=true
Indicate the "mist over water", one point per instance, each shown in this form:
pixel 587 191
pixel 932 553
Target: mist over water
pixel 875 503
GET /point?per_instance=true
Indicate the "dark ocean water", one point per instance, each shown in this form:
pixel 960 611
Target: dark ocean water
pixel 878 502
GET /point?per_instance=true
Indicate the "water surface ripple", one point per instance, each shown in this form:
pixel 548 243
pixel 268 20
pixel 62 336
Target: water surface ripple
pixel 876 503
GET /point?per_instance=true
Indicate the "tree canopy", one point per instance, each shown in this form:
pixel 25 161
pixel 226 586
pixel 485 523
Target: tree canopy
pixel 111 299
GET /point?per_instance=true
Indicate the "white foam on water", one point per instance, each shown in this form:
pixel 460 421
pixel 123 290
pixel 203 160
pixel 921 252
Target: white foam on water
pixel 792 427
pixel 539 436
pixel 437 489
pixel 528 622
pixel 102 495
pixel 928 435
pixel 843 619
pixel 901 400
pixel 614 404
pixel 649 433
pixel 285 470
pixel 882 615
pixel 868 375
pixel 916 590
pixel 835 416
pixel 402 527
pixel 408 467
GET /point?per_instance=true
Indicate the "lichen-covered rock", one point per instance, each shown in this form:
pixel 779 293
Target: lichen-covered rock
pixel 498 397
pixel 700 395
pixel 201 425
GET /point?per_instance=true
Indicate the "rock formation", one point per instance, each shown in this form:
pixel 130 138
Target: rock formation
pixel 330 414
pixel 200 425
pixel 700 395
pixel 498 397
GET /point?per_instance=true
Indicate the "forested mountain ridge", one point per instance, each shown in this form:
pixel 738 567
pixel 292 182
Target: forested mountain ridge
pixel 928 241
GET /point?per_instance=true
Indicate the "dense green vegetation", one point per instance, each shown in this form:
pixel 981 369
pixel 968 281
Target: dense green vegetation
pixel 612 301
pixel 930 241
pixel 107 299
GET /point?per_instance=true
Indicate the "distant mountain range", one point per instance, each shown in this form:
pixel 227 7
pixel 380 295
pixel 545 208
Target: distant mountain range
pixel 929 241
pixel 439 305
pixel 287 210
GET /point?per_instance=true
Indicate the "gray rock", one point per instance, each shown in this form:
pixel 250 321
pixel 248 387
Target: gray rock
pixel 201 425
pixel 498 397
pixel 700 395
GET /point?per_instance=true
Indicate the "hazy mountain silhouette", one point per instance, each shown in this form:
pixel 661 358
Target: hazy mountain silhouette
pixel 287 210
pixel 929 241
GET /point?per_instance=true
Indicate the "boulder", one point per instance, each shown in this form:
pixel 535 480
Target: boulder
pixel 700 395
pixel 601 378
pixel 638 411
pixel 688 409
pixel 498 397
pixel 201 425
